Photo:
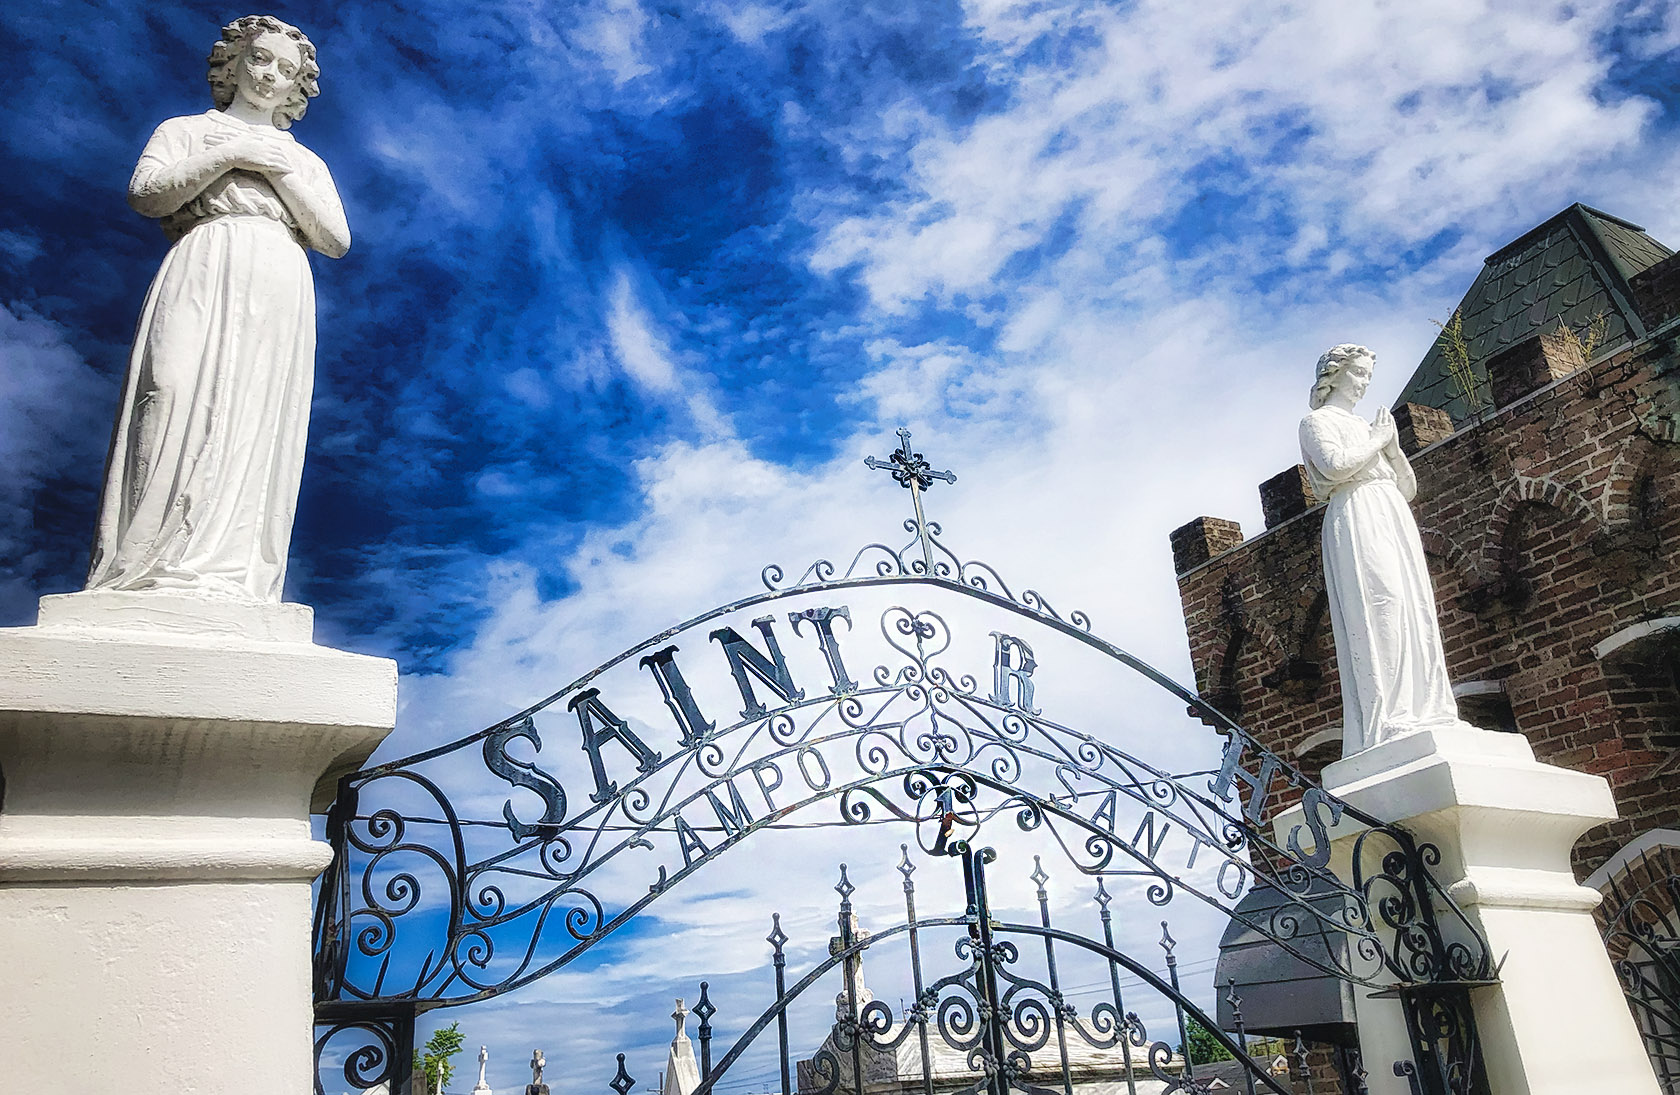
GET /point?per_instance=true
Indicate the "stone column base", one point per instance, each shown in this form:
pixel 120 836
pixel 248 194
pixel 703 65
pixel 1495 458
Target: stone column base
pixel 155 843
pixel 1557 1022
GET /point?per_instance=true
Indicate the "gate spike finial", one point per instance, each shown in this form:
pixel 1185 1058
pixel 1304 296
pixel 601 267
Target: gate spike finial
pixel 1103 896
pixel 776 938
pixel 704 1009
pixel 1039 876
pixel 905 867
pixel 844 887
pixel 1168 943
pixel 622 1083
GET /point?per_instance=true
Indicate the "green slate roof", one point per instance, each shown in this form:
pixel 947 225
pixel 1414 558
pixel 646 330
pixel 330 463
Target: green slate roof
pixel 1571 269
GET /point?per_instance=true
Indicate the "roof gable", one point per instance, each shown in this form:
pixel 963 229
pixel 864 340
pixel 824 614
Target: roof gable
pixel 1571 269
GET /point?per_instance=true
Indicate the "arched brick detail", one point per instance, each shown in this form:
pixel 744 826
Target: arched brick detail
pixel 1638 461
pixel 1443 547
pixel 1217 684
pixel 1220 670
pixel 1630 463
pixel 1523 490
pixel 1263 632
pixel 1295 663
pixel 1312 618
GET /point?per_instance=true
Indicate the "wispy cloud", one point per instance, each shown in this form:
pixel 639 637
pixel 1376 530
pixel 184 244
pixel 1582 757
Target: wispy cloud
pixel 1219 134
pixel 647 358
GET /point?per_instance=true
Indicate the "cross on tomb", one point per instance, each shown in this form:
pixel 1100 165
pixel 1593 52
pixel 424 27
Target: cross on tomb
pixel 538 1063
pixel 912 471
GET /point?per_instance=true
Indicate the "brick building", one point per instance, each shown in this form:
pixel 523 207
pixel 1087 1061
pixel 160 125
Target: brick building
pixel 1549 506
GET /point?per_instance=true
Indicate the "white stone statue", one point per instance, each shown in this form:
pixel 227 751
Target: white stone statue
pixel 482 1088
pixel 1382 604
pixel 207 453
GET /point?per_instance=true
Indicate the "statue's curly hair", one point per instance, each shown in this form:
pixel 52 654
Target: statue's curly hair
pixel 236 38
pixel 1330 366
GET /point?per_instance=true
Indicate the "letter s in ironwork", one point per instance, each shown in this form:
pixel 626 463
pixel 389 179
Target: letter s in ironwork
pixel 529 776
pixel 1315 804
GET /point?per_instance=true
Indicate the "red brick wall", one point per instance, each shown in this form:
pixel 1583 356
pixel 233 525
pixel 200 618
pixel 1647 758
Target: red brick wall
pixel 1321 1076
pixel 1550 525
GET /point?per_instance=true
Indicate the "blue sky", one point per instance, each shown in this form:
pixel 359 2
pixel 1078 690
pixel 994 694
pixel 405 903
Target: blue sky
pixel 634 285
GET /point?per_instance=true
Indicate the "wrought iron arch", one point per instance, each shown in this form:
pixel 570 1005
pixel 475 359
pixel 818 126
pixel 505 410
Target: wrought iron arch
pixel 917 740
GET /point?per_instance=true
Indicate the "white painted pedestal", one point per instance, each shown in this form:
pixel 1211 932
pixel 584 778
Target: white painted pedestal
pixel 160 754
pixel 1557 1023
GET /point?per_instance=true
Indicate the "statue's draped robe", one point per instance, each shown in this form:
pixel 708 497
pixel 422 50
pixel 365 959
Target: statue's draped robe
pixel 208 449
pixel 1382 604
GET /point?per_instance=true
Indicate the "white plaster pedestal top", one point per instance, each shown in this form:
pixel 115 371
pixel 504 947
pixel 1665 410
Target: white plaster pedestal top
pixel 102 668
pixel 101 653
pixel 188 618
pixel 1464 770
pixel 161 754
pixel 1504 824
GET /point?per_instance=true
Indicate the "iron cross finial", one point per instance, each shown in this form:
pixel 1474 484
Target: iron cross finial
pixel 909 467
pixel 912 471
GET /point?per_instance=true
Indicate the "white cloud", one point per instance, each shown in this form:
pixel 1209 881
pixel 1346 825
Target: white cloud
pixel 647 358
pixel 19 248
pixel 613 35
pixel 644 355
pixel 1662 23
pixel 752 23
pixel 50 416
pixel 942 378
pixel 1387 122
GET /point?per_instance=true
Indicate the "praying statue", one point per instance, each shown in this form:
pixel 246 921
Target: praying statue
pixel 207 454
pixel 1382 604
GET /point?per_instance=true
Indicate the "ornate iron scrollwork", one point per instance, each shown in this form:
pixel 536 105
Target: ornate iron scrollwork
pixel 426 906
pixel 922 744
pixel 1011 1027
pixel 1640 918
pixel 367 1052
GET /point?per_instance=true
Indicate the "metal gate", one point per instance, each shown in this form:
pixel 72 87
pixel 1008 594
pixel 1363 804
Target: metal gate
pixel 427 905
pixel 1003 1013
